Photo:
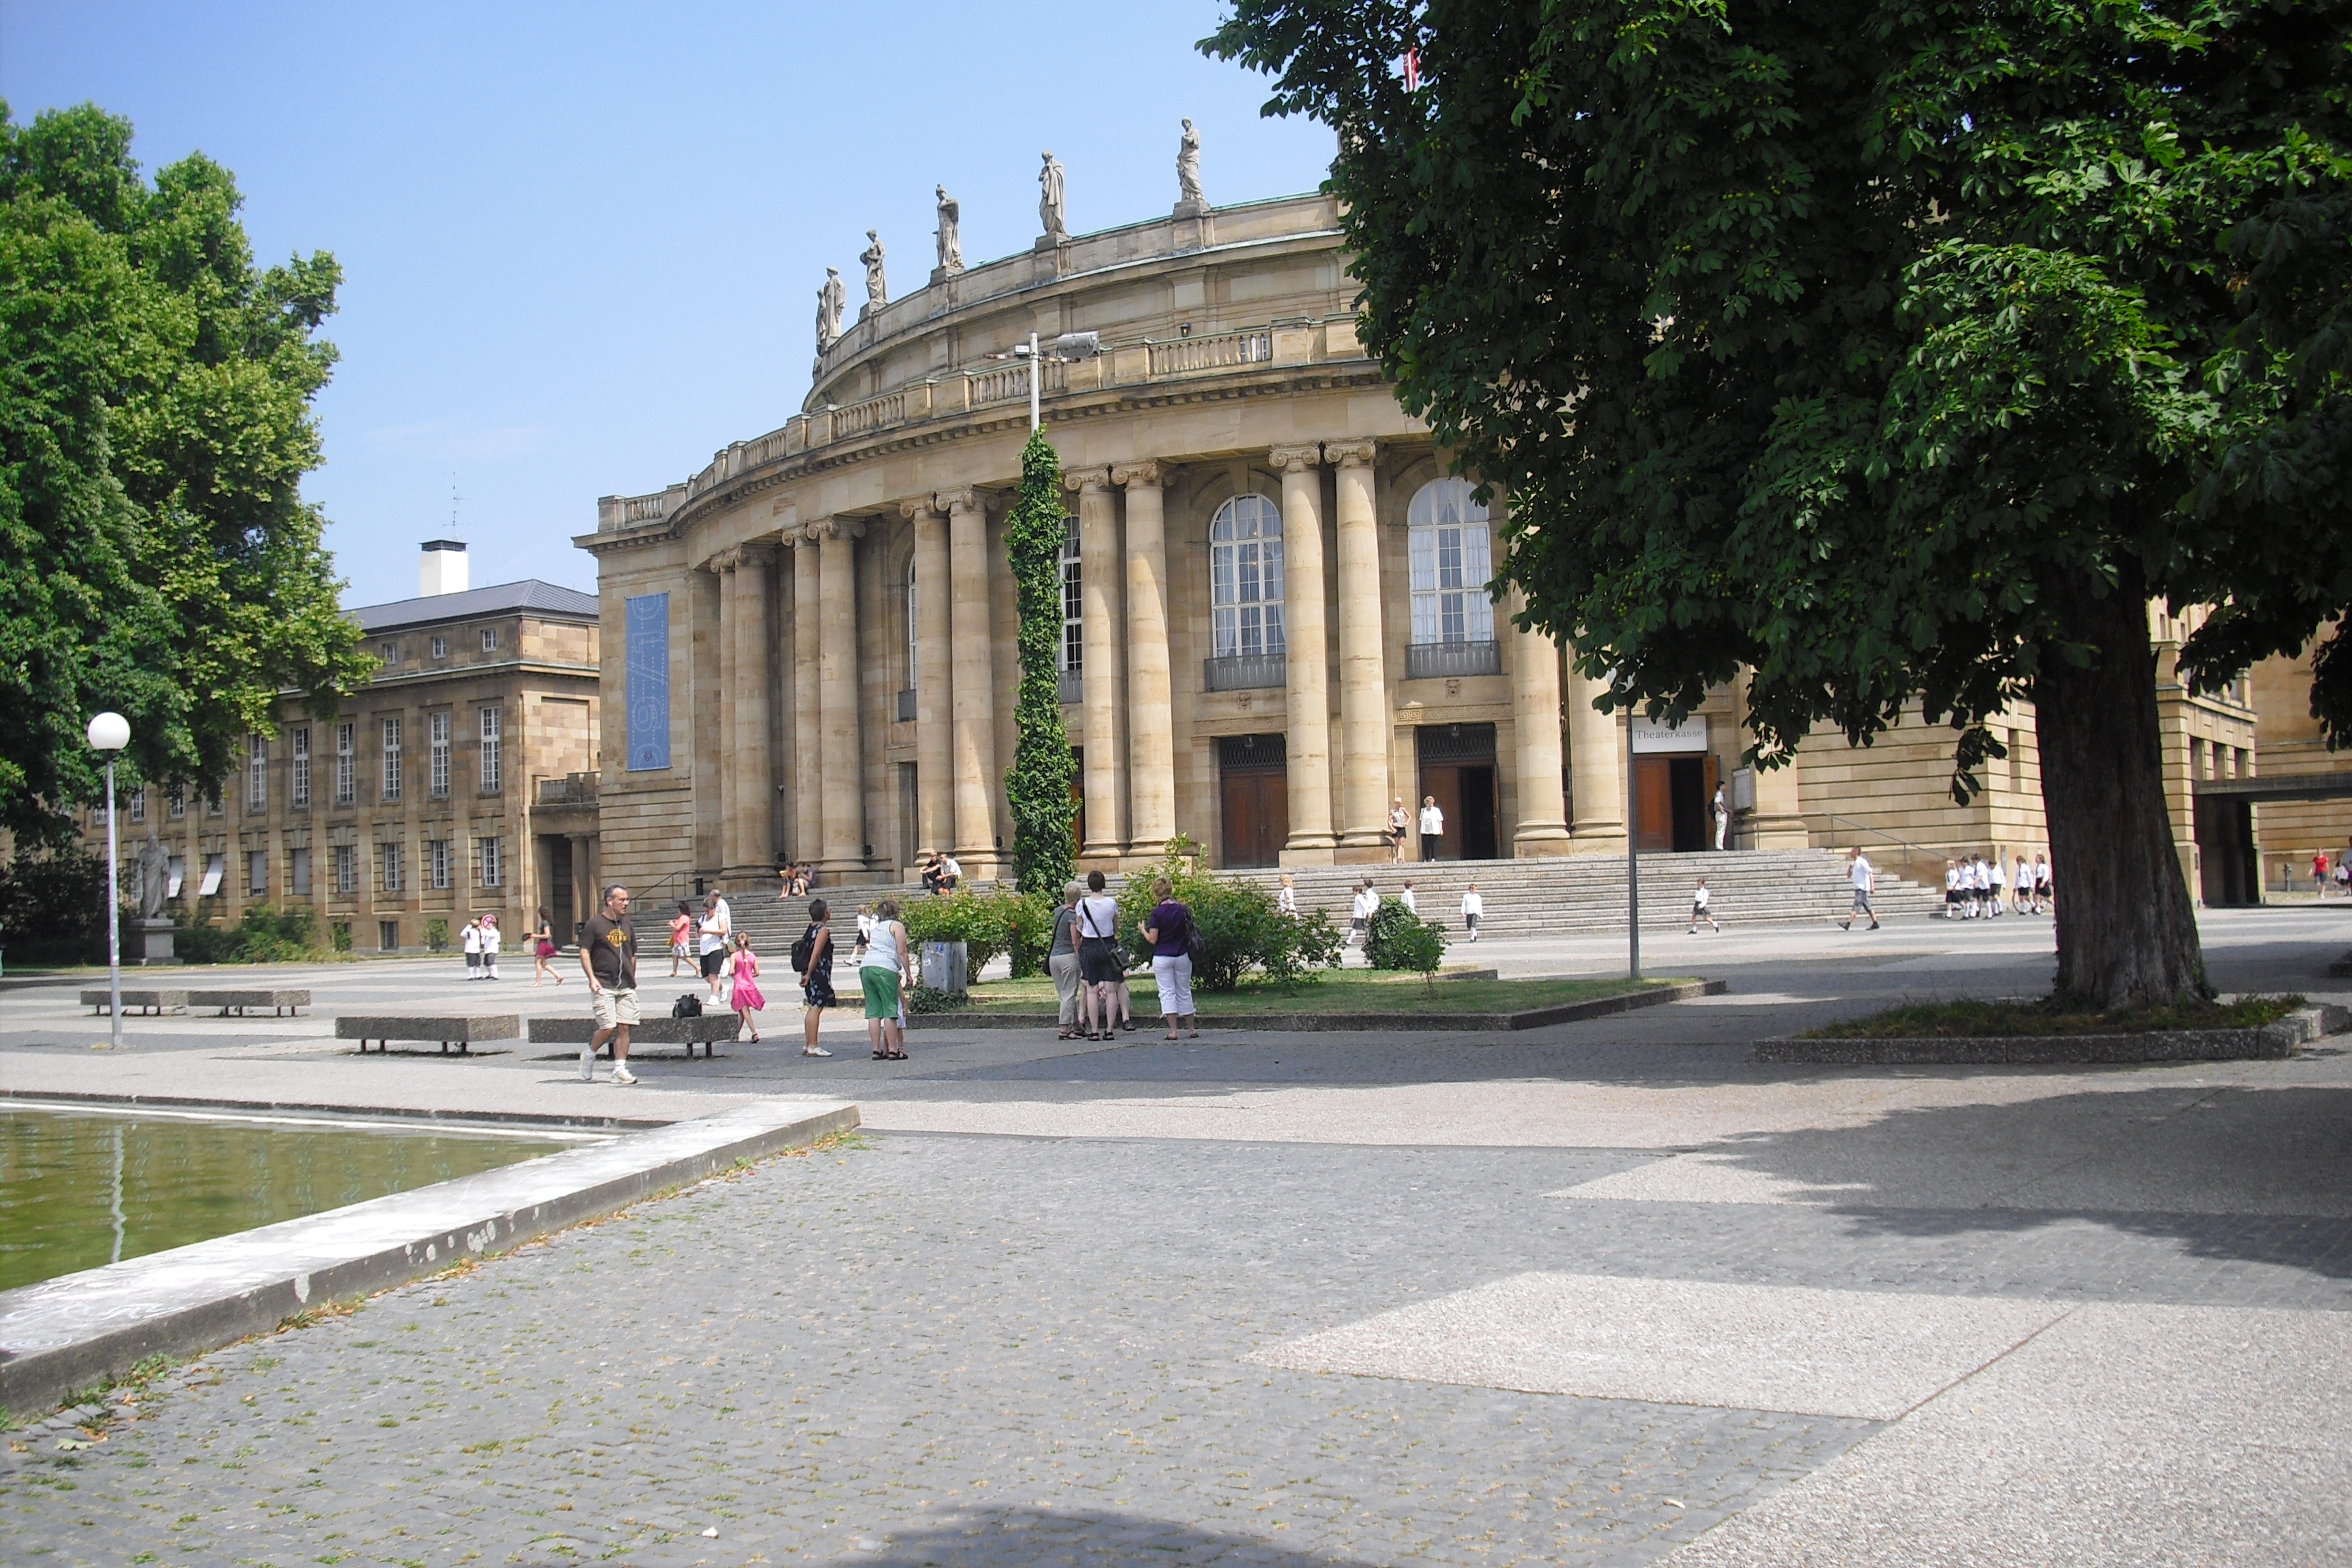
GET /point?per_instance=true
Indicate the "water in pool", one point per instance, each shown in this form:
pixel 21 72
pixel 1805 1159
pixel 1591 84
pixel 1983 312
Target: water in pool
pixel 80 1190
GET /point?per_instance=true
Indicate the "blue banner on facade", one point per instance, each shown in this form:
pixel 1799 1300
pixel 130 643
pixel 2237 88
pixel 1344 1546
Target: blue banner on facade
pixel 648 682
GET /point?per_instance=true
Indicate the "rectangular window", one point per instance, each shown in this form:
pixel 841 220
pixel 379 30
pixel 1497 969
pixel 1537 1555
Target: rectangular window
pixel 390 759
pixel 178 878
pixel 257 772
pixel 298 873
pixel 178 805
pixel 257 872
pixel 387 936
pixel 347 867
pixel 437 738
pixel 440 647
pixel 494 862
pixel 489 639
pixel 298 770
pixel 389 652
pixel 346 765
pixel 490 773
pixel 212 806
pixel 438 865
pixel 138 805
pixel 215 867
pixel 391 875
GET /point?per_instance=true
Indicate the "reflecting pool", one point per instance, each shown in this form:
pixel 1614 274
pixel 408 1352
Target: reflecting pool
pixel 78 1189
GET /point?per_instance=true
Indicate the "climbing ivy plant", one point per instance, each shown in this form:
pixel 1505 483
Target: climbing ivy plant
pixel 1039 784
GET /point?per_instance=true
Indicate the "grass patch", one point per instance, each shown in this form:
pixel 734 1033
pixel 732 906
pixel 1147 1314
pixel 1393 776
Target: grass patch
pixel 1965 1020
pixel 1338 991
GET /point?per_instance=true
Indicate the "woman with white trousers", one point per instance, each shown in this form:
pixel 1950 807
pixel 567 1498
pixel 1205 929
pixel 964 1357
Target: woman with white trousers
pixel 1168 929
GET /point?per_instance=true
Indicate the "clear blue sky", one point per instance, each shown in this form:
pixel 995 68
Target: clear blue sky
pixel 581 243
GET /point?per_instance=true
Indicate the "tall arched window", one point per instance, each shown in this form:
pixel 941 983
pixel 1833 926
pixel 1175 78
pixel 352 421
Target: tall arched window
pixel 1451 564
pixel 1245 577
pixel 1074 642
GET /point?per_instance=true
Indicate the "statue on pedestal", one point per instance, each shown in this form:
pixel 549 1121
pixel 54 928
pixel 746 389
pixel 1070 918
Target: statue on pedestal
pixel 831 298
pixel 1049 203
pixel 154 877
pixel 1190 202
pixel 949 235
pixel 878 292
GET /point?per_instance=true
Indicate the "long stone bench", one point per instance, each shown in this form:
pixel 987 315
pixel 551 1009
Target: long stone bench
pixel 238 1002
pixel 458 1030
pixel 146 1001
pixel 710 1030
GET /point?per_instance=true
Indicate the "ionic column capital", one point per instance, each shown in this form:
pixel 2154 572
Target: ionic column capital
pixel 1296 459
pixel 918 508
pixel 843 528
pixel 757 552
pixel 1085 480
pixel 1128 475
pixel 1350 454
pixel 724 561
pixel 964 499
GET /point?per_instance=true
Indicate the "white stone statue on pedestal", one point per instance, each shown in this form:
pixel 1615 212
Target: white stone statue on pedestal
pixel 1190 202
pixel 1049 203
pixel 878 292
pixel 949 235
pixel 154 877
pixel 831 298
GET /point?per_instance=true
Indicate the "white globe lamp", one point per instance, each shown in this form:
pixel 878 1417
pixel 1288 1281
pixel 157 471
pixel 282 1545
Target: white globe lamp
pixel 109 732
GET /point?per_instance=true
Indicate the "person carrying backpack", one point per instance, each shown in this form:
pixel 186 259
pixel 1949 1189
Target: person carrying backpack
pixel 811 958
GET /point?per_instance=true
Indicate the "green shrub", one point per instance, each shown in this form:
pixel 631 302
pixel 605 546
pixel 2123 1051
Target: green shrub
pixel 1241 926
pixel 262 935
pixel 339 936
pixel 930 999
pixel 988 924
pixel 53 907
pixel 436 935
pixel 1396 938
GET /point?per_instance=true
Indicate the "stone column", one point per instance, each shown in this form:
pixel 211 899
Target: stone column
pixel 934 746
pixel 1779 820
pixel 1595 742
pixel 808 718
pixel 1150 727
pixel 1099 595
pixel 714 783
pixel 751 848
pixel 1305 659
pixel 1363 676
pixel 975 741
pixel 843 808
pixel 1535 727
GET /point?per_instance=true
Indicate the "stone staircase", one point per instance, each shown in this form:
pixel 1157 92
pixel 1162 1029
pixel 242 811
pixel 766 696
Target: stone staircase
pixel 1580 894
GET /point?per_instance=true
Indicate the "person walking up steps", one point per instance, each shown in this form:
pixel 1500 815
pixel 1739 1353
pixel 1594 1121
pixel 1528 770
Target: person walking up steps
pixel 1359 914
pixel 811 956
pixel 884 976
pixel 608 956
pixel 1699 909
pixel 1865 877
pixel 1411 904
pixel 1285 899
pixel 1473 907
pixel 743 995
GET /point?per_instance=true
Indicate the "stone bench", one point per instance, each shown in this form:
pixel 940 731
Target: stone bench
pixel 449 1029
pixel 708 1030
pixel 278 1002
pixel 145 1000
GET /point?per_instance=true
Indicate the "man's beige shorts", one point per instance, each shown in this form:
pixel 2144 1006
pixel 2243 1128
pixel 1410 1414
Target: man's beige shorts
pixel 613 1008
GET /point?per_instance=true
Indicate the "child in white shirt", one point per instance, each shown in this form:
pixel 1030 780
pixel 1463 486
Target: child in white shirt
pixel 1473 906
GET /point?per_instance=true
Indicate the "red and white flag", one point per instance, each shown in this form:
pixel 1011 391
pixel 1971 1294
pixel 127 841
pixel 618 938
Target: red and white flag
pixel 1413 69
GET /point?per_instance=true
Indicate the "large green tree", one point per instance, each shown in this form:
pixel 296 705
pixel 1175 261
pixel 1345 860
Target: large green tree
pixel 156 555
pixel 1894 351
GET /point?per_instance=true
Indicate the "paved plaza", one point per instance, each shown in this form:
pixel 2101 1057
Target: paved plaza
pixel 1606 1292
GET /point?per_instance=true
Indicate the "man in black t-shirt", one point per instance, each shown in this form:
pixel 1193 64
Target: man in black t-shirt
pixel 608 952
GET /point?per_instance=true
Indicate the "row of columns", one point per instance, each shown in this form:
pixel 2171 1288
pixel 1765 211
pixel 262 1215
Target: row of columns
pixel 1127 728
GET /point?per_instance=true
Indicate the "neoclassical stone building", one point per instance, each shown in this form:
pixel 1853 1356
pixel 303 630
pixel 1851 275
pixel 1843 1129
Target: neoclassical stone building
pixel 1274 616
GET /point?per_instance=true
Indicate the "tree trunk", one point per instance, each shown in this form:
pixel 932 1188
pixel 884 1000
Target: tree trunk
pixel 2127 928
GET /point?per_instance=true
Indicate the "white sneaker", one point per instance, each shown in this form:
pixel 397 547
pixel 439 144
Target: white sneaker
pixel 587 1064
pixel 622 1075
pixel 814 1051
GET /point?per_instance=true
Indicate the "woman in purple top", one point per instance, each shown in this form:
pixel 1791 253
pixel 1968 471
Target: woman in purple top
pixel 1168 929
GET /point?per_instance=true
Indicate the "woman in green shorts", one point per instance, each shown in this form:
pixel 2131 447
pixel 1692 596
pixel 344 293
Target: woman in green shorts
pixel 883 971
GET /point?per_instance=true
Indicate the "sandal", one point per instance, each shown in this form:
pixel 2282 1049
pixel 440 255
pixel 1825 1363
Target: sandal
pixel 895 1057
pixel 881 1056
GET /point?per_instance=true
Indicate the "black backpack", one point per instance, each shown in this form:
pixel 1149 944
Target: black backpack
pixel 687 1008
pixel 803 949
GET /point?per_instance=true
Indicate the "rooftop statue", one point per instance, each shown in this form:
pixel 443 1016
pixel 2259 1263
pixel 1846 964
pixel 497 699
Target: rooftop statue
pixel 1049 200
pixel 878 292
pixel 1189 199
pixel 951 240
pixel 831 298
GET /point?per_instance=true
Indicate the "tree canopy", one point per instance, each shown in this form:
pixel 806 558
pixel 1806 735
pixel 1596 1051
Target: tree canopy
pixel 1887 351
pixel 156 555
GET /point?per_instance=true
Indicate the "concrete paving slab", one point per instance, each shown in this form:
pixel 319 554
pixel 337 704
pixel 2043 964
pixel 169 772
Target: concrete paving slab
pixel 64 1334
pixel 1861 1354
pixel 2123 1434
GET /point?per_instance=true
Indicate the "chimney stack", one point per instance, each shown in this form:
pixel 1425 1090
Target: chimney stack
pixel 443 570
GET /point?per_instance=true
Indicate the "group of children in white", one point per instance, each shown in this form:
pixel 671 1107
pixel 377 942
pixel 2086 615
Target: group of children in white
pixel 1366 902
pixel 1975 888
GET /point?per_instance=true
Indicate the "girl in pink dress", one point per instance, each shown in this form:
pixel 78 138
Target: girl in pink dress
pixel 745 998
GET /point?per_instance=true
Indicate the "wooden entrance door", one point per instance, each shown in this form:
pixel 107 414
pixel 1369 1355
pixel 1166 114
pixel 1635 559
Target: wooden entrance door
pixel 1654 803
pixel 1255 808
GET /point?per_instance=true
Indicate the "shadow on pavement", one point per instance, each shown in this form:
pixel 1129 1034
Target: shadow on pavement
pixel 1029 1536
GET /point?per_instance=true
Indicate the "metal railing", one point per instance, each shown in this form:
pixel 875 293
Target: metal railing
pixel 1244 672
pixel 1070 687
pixel 569 789
pixel 1435 660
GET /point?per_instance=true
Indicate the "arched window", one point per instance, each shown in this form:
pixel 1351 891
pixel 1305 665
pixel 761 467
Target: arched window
pixel 1074 644
pixel 913 622
pixel 1451 564
pixel 1245 577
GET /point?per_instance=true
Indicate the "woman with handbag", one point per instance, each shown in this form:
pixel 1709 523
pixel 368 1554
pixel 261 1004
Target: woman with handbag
pixel 1168 929
pixel 1099 964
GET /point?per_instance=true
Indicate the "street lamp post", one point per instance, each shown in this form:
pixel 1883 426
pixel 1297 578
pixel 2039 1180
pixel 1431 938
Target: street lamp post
pixel 109 732
pixel 1069 348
